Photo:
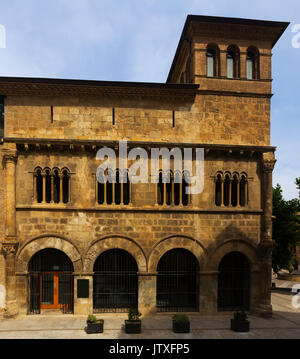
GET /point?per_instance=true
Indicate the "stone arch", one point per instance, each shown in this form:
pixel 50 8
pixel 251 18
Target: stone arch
pixel 112 242
pixel 42 242
pixel 242 246
pixel 172 242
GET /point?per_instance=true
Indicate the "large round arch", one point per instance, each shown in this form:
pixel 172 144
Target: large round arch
pixel 115 242
pixel 115 281
pixel 51 281
pixel 234 282
pixel 30 248
pixel 177 281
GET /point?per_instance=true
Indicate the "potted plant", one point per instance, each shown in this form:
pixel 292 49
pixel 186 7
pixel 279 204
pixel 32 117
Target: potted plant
pixel 239 323
pixel 133 325
pixel 181 323
pixel 94 325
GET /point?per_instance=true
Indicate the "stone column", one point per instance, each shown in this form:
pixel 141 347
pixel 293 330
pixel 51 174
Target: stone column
pixel 10 244
pixel 208 292
pixel 83 306
pixel 10 160
pixel 147 292
pixel 266 243
pixel 9 250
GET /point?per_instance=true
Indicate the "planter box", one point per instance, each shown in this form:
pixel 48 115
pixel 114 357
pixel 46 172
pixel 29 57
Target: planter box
pixel 240 326
pixel 133 327
pixel 94 328
pixel 181 327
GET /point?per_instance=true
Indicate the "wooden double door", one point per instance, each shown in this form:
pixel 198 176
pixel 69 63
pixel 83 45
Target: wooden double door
pixel 53 286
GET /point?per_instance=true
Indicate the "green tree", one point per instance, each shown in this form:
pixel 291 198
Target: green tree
pixel 286 233
pixel 298 184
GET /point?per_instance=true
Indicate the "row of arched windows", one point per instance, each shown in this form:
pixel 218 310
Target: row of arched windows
pixel 233 62
pixel 114 193
pixel 52 185
pixel 116 283
pixel 231 189
pixel 172 189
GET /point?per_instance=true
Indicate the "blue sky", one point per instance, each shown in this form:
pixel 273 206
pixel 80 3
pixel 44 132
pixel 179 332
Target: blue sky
pixel 135 40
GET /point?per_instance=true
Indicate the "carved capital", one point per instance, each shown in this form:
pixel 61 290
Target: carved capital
pixel 268 161
pixel 9 248
pixel 10 156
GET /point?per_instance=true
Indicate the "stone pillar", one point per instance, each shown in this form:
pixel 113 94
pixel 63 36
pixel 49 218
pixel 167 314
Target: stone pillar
pixel 83 306
pixel 208 292
pixel 266 243
pixel 147 292
pixel 10 160
pixel 9 250
pixel 10 244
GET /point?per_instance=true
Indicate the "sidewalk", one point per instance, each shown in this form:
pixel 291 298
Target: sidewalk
pixel 285 323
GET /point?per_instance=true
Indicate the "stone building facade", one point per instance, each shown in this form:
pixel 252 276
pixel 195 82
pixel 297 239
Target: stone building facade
pixel 73 245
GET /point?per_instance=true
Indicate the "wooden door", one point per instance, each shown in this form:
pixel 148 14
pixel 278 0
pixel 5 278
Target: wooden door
pixel 49 284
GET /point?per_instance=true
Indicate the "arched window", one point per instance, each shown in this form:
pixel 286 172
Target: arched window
pixel 234 191
pixel 234 283
pixel 184 186
pixel 39 185
pixel 227 190
pixel 56 186
pixel 117 192
pixel 212 60
pixel 65 186
pixel 252 64
pixel 243 191
pixel 115 282
pixel 50 281
pixel 52 186
pixel 48 185
pixel 231 191
pixel 171 189
pixel 177 282
pixel 233 61
pixel 218 192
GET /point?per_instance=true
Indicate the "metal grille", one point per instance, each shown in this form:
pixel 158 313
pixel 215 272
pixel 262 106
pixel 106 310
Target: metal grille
pixel 115 282
pixel 34 295
pixel 66 292
pixel 177 282
pixel 234 283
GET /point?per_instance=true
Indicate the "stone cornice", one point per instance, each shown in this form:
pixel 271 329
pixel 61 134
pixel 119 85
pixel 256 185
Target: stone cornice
pixel 32 144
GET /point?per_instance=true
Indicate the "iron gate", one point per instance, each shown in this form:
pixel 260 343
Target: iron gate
pixel 115 284
pixel 177 282
pixel 50 281
pixel 39 293
pixel 234 283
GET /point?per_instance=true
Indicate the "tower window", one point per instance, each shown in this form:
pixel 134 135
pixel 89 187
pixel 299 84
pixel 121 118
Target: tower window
pixel 252 64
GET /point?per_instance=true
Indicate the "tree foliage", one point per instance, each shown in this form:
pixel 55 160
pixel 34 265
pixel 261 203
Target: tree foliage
pixel 286 230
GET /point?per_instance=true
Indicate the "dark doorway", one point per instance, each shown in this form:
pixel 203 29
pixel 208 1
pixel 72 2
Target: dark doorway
pixel 50 281
pixel 177 282
pixel 115 282
pixel 234 283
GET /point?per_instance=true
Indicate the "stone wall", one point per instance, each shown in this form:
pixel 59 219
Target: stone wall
pixel 211 119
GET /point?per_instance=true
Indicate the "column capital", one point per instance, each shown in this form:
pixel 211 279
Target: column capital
pixel 268 161
pixel 9 248
pixel 10 156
